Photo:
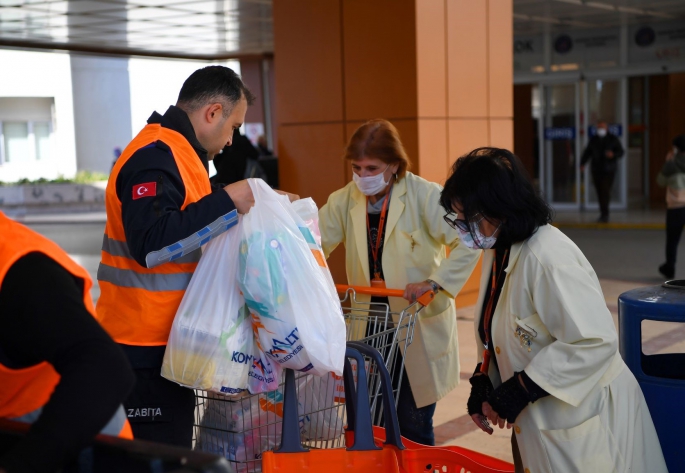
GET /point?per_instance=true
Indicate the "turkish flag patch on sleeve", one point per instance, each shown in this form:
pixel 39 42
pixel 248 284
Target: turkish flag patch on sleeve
pixel 148 189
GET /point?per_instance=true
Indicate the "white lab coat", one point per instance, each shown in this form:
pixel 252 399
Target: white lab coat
pixel 414 250
pixel 595 418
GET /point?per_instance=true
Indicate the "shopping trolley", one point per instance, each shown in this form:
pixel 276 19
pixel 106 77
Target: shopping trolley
pixel 240 429
pixel 363 453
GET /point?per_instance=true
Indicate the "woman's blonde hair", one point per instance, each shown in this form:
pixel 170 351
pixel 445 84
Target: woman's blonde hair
pixel 378 139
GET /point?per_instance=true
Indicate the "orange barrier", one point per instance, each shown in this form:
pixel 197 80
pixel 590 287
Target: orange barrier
pixel 368 449
pixel 425 299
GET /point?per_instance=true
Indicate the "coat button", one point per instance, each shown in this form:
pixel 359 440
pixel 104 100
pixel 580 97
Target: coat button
pixel 497 350
pixel 517 429
pixel 526 470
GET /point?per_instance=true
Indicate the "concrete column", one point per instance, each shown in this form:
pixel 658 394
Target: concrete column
pixel 101 92
pixel 102 109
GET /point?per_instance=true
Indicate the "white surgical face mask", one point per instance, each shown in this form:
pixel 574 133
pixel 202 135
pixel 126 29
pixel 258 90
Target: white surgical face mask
pixel 477 240
pixel 371 185
pixel 601 132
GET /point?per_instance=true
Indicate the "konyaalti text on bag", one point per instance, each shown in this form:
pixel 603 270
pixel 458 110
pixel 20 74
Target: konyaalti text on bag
pixel 294 306
pixel 211 344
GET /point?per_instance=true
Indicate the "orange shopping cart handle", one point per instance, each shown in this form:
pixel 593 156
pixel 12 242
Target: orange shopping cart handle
pixel 425 299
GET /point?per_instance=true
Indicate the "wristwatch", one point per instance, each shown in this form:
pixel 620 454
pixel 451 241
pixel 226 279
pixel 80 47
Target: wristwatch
pixel 436 287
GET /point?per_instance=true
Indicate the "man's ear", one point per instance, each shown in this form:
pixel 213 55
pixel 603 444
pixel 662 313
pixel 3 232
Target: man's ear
pixel 213 112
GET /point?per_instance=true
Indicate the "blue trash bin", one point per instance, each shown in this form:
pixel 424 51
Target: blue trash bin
pixel 661 376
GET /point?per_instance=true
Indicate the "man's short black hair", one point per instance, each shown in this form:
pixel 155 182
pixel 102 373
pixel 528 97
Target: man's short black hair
pixel 213 84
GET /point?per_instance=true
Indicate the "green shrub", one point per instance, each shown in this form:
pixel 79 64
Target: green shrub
pixel 81 177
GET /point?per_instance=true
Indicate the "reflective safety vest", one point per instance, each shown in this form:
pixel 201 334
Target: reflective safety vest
pixel 24 391
pixel 137 305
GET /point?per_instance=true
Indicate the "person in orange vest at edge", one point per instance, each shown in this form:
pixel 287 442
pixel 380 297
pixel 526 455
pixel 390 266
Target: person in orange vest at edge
pixel 161 208
pixel 59 370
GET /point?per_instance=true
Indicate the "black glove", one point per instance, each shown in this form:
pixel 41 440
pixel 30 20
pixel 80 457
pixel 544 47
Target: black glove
pixel 481 387
pixel 509 399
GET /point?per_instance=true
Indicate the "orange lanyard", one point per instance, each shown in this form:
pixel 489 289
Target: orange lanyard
pixel 489 310
pixel 376 248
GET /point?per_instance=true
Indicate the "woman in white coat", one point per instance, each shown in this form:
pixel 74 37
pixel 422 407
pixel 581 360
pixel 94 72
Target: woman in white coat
pixel 394 236
pixel 550 366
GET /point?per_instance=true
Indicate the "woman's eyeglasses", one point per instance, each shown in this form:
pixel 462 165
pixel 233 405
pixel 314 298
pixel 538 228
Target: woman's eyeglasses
pixel 460 224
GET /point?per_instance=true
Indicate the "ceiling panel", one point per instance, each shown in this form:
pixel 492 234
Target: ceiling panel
pixel 229 28
pixel 535 16
pixel 180 28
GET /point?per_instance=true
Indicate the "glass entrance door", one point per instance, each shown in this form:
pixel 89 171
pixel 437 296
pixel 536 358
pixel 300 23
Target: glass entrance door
pixel 570 113
pixel 604 101
pixel 559 146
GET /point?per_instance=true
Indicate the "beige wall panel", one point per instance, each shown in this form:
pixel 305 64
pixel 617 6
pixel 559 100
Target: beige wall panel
pixel 380 59
pixel 308 61
pixel 431 60
pixel 336 263
pixel 466 135
pixel 500 57
pixel 349 129
pixel 433 149
pixel 467 75
pixel 409 134
pixel 309 160
pixel 502 133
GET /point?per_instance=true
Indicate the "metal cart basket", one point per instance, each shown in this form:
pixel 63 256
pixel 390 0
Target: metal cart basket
pixel 240 429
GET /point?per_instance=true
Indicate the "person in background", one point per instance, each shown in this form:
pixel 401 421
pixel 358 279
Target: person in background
pixel 238 161
pixel 117 153
pixel 672 177
pixel 394 237
pixel 604 150
pixel 161 209
pixel 59 370
pixel 263 146
pixel 548 359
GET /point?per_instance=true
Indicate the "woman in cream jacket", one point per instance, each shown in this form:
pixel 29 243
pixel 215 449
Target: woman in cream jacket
pixel 555 374
pixel 411 256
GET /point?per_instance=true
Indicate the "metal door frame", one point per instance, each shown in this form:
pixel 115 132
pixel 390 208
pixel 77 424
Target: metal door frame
pixel 544 146
pixel 623 162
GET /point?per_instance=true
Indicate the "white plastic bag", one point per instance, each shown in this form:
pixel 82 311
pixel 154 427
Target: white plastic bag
pixel 243 429
pixel 321 418
pixel 264 375
pixel 211 344
pixel 288 288
pixel 307 210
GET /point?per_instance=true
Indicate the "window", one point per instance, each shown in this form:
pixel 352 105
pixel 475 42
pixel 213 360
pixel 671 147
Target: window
pixel 41 133
pixel 25 129
pixel 25 141
pixel 16 136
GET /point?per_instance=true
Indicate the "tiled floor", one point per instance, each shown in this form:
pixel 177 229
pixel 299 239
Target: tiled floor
pixel 634 218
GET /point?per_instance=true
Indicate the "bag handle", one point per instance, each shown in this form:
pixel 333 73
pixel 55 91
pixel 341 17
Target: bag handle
pixel 392 425
pixel 358 410
pixel 261 190
pixel 361 410
pixel 290 429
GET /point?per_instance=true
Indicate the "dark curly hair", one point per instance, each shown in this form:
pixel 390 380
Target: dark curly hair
pixel 493 182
